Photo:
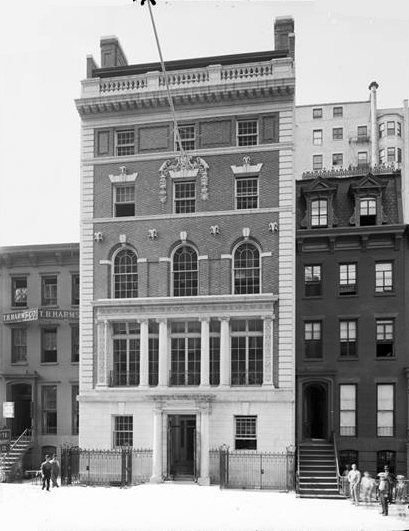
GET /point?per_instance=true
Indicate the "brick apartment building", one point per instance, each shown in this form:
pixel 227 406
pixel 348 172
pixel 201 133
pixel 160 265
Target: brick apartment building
pixel 187 260
pixel 352 201
pixel 39 346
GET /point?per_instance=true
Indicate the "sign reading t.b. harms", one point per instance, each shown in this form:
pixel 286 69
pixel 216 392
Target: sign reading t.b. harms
pixel 36 314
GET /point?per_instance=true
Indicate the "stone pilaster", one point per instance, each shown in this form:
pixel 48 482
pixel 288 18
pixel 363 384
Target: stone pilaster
pixel 204 478
pixel 157 446
pixel 144 354
pixel 163 352
pixel 102 347
pixel 268 351
pixel 205 352
pixel 224 352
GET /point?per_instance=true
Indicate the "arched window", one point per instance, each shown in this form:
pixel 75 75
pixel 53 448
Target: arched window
pixel 185 272
pixel 125 275
pixel 246 269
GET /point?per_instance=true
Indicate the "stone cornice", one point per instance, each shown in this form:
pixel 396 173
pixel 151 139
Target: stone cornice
pixel 256 90
pixel 201 306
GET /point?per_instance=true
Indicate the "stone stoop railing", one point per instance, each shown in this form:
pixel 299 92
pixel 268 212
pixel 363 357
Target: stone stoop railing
pixel 11 461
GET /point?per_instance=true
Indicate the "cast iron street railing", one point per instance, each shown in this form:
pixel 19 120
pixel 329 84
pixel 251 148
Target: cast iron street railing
pixel 116 467
pixel 256 470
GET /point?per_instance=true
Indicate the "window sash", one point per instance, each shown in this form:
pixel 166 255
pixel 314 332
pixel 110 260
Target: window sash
pixel 337 159
pixel 246 193
pixel 247 132
pixel 19 345
pixel 49 291
pixel 125 142
pixel 317 137
pixel 187 137
pixel 383 277
pixel 245 433
pixel 49 409
pixel 19 292
pixel 317 162
pixel 184 197
pixel 123 431
pixel 337 133
pixel 385 410
pixel 319 213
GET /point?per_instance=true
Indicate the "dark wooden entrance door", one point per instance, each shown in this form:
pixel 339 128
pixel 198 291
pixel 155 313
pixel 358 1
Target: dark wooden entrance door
pixel 315 411
pixel 22 397
pixel 181 446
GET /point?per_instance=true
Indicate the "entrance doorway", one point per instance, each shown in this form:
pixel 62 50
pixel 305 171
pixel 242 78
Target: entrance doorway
pixel 315 411
pixel 181 446
pixel 21 396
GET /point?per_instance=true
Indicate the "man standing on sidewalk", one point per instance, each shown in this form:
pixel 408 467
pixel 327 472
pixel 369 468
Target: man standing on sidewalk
pixel 383 493
pixel 354 478
pixel 46 468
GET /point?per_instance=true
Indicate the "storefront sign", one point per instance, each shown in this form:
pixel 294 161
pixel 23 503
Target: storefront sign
pixel 8 410
pixel 21 316
pixel 35 314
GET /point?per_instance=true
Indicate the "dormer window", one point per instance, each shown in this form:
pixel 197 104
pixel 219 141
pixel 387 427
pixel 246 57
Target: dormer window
pixel 319 213
pixel 367 211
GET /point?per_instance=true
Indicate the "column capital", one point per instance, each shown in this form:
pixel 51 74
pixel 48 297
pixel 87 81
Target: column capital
pixel 268 317
pixel 205 319
pixel 224 319
pixel 162 320
pixel 142 321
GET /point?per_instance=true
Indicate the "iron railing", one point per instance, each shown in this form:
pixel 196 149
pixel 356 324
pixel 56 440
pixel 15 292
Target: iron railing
pixel 340 485
pixel 116 467
pixel 257 470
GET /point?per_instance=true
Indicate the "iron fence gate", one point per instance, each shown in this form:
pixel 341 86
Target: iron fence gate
pixel 118 467
pixel 256 470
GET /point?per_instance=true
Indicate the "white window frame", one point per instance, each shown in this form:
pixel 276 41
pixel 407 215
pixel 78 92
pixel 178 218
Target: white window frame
pixel 317 137
pixel 360 154
pixel 115 202
pixel 384 277
pixel 124 145
pixel 249 436
pixel 320 215
pixel 385 427
pixel 114 257
pixel 247 135
pixel 341 137
pixel 172 274
pixel 314 162
pixel 233 270
pixel 177 201
pixel 347 410
pixel 236 196
pixel 191 138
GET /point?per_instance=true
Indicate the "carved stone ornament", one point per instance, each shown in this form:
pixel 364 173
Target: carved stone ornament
pixel 152 234
pixel 184 166
pixel 247 167
pixel 214 229
pixel 98 237
pixel 273 226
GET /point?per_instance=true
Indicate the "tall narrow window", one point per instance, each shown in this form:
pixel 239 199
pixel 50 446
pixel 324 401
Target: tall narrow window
pixel 246 266
pixel 184 197
pixel 49 345
pixel 247 132
pixel 347 413
pixel 75 343
pixel 75 289
pixel 348 339
pixel 185 272
pixel 214 352
pixel 49 409
pixel 317 162
pixel 383 277
pixel 125 142
pixel 390 128
pixel 398 128
pixel 381 130
pixel 18 345
pixel 246 352
pixel 19 292
pixel 153 353
pixel 246 193
pixel 126 352
pixel 245 432
pixel 319 213
pixel 317 137
pixel 385 410
pixel 49 290
pixel 362 158
pixel 312 280
pixel 124 200
pixel 384 338
pixel 382 157
pixel 313 339
pixel 367 211
pixel 347 279
pixel 362 133
pixel 125 275
pixel 187 137
pixel 185 353
pixel 123 431
pixel 75 410
pixel 390 154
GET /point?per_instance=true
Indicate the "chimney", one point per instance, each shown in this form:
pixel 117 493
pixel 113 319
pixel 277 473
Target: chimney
pixel 111 53
pixel 374 129
pixel 284 34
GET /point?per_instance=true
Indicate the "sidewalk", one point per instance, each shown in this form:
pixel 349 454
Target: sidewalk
pixel 175 507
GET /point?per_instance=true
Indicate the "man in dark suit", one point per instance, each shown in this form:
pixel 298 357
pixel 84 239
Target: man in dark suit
pixel 46 468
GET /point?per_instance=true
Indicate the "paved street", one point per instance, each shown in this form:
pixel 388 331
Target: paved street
pixel 170 507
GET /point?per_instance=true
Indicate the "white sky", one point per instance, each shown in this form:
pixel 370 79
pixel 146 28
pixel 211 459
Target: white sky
pixel 341 46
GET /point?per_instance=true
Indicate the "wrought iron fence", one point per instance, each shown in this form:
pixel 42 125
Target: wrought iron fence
pixel 117 467
pixel 257 470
